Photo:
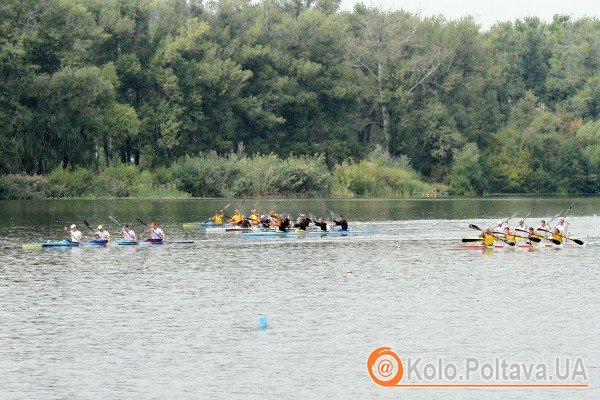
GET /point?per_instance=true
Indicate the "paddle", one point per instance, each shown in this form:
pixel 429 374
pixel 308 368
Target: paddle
pixel 579 242
pixel 86 223
pixel 539 239
pixel 467 240
pixel 505 241
pixel 532 238
pixel 57 220
pixel 73 239
pixel 558 215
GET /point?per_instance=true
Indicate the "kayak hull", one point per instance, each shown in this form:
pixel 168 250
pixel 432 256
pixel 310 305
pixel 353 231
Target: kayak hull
pixel 307 233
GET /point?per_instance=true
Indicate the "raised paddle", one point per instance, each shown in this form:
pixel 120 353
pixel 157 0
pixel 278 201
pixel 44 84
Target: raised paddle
pixel 528 214
pixel 86 223
pixel 73 239
pixel 579 242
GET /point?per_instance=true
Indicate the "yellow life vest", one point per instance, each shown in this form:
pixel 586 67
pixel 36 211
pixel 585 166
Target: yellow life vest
pixel 218 219
pixel 254 217
pixel 510 238
pixel 558 237
pixel 488 240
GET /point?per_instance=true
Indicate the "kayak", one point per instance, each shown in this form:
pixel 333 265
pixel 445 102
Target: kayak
pixel 65 243
pixel 145 243
pixel 480 246
pixel 272 233
pixel 205 224
pixel 227 229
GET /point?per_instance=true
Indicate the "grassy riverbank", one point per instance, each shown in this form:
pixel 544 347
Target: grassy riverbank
pixel 233 175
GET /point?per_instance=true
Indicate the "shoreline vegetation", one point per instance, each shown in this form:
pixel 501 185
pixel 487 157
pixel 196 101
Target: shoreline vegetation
pixel 234 175
pixel 161 98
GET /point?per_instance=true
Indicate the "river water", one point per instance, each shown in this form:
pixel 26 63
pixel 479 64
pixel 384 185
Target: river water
pixel 181 321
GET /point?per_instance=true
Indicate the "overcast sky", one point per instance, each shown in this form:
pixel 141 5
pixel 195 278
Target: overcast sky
pixel 487 12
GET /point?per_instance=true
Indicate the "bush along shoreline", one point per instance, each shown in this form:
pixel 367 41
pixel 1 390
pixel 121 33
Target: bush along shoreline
pixel 232 175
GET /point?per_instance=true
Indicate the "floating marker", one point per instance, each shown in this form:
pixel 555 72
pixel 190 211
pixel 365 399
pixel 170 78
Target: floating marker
pixel 262 322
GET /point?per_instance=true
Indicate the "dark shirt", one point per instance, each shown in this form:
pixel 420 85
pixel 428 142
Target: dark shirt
pixel 342 222
pixel 283 225
pixel 322 225
pixel 303 224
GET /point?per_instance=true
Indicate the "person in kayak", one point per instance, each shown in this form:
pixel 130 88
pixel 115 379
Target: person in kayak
pixel 102 234
pixel 284 223
pixel 341 222
pixel 275 219
pixel 541 230
pixel 157 235
pixel 321 224
pixel 302 222
pixel 236 218
pixel 563 227
pixel 488 237
pixel 265 221
pixel 556 235
pixel 500 227
pixel 509 236
pixel 128 234
pixel 254 217
pixel 217 218
pixel 74 234
pixel 522 226
pixel 531 234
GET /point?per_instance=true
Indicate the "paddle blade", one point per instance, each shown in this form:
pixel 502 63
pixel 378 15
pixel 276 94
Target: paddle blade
pixel 467 240
pixel 579 242
pixel 31 246
pixel 534 239
pixel 474 227
pixel 556 242
pixel 509 243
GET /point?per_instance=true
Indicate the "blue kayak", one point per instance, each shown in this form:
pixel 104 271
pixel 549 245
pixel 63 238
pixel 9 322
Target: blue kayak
pixel 307 233
pixel 205 224
pixel 66 243
pixel 144 243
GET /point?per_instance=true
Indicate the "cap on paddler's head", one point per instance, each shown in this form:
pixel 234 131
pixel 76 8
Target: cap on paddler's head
pixel 100 227
pixel 126 226
pixel 499 222
pixel 73 226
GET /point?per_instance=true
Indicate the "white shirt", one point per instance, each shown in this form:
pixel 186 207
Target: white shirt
pixel 76 236
pixel 499 229
pixel 522 228
pixel 157 233
pixel 103 234
pixel 128 234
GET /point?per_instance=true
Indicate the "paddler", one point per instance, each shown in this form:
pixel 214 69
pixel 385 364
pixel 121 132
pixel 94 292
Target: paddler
pixel 275 219
pixel 265 221
pixel 488 237
pixel 128 234
pixel 341 222
pixel 531 234
pixel 156 234
pixel 284 223
pixel 237 218
pixel 509 236
pixel 254 217
pixel 556 235
pixel 522 226
pixel 499 227
pixel 541 230
pixel 75 235
pixel 302 222
pixel 218 217
pixel 321 224
pixel 102 233
pixel 563 227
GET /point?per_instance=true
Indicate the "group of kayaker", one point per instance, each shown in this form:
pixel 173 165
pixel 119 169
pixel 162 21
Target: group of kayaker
pixel 558 233
pixel 155 233
pixel 274 220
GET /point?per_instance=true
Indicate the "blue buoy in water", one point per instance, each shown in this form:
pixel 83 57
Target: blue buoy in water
pixel 262 322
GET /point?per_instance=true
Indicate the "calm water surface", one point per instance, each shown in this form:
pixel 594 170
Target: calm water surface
pixel 180 322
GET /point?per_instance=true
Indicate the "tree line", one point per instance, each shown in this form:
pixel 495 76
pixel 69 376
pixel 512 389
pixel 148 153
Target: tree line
pixel 96 83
